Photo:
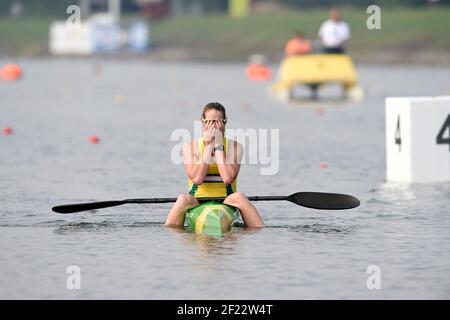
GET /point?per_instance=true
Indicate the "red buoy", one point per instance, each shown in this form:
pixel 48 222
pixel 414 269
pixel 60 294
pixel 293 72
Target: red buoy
pixel 10 72
pixel 94 139
pixel 7 130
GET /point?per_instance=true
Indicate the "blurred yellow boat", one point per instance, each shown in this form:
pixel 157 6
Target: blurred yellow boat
pixel 314 70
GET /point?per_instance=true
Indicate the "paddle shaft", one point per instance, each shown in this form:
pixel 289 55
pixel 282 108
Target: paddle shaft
pixel 71 208
pixel 168 200
pixel 315 200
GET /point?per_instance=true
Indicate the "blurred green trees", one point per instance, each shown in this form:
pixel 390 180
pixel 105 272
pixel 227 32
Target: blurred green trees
pixel 58 7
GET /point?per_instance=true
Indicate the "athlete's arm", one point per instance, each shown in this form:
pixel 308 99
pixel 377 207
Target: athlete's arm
pixel 196 167
pixel 229 163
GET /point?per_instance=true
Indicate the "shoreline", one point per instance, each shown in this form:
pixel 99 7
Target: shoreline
pixel 407 36
pixel 183 55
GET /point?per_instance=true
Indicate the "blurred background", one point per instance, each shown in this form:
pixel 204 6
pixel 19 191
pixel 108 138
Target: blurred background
pixel 413 31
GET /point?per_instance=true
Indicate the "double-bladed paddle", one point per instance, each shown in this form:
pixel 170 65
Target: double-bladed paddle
pixel 314 200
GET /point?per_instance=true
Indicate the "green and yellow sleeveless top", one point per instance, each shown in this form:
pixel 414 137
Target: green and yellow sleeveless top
pixel 212 185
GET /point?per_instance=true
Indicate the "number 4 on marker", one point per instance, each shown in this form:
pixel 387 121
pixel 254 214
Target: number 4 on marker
pixel 440 137
pixel 398 136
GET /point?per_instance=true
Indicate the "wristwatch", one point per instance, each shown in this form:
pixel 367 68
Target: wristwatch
pixel 219 147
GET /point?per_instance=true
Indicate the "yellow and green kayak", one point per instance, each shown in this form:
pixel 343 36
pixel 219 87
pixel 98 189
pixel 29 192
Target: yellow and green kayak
pixel 212 218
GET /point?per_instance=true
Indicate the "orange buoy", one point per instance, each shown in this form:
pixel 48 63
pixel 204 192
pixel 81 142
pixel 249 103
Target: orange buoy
pixel 258 72
pixel 7 131
pixel 94 139
pixel 10 72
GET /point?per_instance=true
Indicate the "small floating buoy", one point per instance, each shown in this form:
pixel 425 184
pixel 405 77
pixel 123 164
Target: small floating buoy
pixel 256 69
pixel 119 99
pixel 320 111
pixel 246 106
pixel 10 72
pixel 323 166
pixel 258 72
pixel 7 131
pixel 94 139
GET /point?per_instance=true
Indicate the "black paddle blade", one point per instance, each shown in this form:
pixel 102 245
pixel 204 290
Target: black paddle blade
pixel 71 208
pixel 325 201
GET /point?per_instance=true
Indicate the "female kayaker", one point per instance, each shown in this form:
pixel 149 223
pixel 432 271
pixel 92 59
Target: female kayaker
pixel 212 165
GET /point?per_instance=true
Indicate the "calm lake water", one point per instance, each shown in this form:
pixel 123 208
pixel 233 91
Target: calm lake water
pixel 125 252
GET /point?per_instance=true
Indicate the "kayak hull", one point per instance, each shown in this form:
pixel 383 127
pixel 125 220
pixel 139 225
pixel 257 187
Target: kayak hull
pixel 212 218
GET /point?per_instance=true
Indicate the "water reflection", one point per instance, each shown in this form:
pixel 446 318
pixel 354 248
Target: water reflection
pixel 210 245
pixel 394 191
pixel 410 196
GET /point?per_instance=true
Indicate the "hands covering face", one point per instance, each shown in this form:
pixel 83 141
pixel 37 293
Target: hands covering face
pixel 213 131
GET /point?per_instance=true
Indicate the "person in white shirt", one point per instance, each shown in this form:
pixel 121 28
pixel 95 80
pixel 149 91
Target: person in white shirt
pixel 334 33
